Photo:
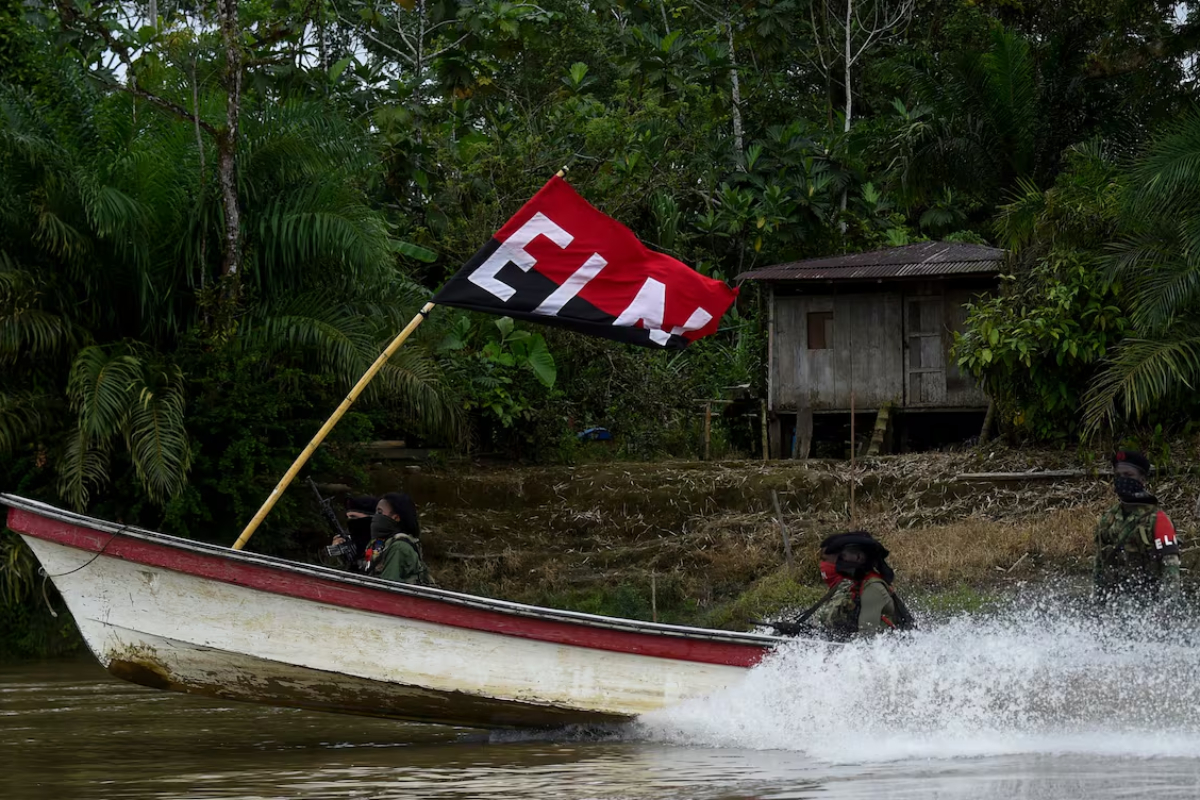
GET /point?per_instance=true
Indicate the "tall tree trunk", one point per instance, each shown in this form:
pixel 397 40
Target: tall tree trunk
pixel 203 174
pixel 849 99
pixel 736 96
pixel 849 61
pixel 227 141
pixel 322 51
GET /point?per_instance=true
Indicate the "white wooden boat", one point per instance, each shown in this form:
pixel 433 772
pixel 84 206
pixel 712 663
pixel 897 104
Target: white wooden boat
pixel 174 614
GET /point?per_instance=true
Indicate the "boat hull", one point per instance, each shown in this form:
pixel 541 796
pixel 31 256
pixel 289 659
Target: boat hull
pixel 180 616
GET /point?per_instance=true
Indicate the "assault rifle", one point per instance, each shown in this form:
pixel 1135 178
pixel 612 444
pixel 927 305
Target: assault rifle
pixel 785 628
pixel 345 550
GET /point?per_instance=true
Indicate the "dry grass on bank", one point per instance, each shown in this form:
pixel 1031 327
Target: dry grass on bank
pixel 721 556
pixel 976 550
pixel 597 537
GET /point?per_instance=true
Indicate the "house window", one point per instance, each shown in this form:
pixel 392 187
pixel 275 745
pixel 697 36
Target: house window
pixel 820 329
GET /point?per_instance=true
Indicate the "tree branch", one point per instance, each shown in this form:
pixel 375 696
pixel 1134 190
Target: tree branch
pixel 447 48
pixel 165 105
pixel 395 51
pixel 282 31
pixel 71 14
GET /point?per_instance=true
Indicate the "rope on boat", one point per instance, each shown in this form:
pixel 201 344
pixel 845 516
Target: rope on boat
pixel 46 597
pixel 46 576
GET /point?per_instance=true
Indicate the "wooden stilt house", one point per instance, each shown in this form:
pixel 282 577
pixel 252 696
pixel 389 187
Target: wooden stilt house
pixel 873 331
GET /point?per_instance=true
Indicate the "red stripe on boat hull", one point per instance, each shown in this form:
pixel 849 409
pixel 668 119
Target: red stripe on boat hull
pixel 277 580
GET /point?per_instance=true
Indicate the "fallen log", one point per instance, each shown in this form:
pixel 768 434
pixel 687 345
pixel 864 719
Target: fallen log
pixel 1046 475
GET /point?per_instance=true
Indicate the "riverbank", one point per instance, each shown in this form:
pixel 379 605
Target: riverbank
pixel 699 543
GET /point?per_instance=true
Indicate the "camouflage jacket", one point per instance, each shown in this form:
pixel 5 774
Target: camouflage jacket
pixel 1137 553
pixel 846 615
pixel 401 561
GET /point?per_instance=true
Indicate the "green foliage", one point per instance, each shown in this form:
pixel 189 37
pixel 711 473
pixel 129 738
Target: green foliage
pixel 775 595
pixel 246 426
pixel 972 127
pixel 109 265
pixel 1157 260
pixel 630 601
pixel 115 393
pixel 27 628
pixel 18 570
pixel 1036 345
pixel 491 364
pixel 378 146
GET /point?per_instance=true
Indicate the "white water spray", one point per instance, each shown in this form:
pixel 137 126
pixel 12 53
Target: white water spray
pixel 1030 681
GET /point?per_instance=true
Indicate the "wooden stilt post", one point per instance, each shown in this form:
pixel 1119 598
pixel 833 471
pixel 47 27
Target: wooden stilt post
pixel 765 443
pixel 288 476
pixel 853 448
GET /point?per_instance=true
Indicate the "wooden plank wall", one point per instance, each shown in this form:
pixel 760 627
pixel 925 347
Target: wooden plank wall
pixel 864 354
pixel 925 348
pixel 961 389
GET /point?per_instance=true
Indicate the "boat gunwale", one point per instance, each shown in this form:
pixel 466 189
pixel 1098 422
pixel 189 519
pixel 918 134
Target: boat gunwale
pixel 314 571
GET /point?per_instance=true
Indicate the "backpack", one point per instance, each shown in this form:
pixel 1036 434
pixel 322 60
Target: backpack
pixel 904 621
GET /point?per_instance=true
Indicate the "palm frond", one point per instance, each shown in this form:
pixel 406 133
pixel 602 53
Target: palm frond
pixel 157 435
pixel 59 235
pixel 344 340
pixel 317 226
pixel 18 569
pixel 1016 222
pixel 1159 296
pixel 339 340
pixel 1167 180
pixel 1139 374
pixel 100 388
pixel 33 333
pixel 1012 96
pixel 83 468
pixel 412 379
pixel 24 134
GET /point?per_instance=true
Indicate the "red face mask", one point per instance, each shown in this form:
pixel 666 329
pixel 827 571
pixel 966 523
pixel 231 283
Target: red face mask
pixel 829 574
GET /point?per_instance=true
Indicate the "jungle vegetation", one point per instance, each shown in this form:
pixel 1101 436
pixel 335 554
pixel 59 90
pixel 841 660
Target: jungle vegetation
pixel 213 215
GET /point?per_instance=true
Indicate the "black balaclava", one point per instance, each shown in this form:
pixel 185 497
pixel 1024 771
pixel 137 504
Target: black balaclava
pixel 403 507
pixel 1131 489
pixel 383 526
pixel 359 528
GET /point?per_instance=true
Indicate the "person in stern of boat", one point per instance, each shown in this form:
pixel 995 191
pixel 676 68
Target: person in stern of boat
pixel 860 601
pixel 359 511
pixel 395 551
pixel 1137 548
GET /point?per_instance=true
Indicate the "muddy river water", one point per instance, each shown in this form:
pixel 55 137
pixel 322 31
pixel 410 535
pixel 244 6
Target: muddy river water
pixel 1013 707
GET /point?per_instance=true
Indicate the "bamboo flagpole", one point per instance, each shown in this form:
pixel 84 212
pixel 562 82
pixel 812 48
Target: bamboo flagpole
pixel 290 475
pixel 306 454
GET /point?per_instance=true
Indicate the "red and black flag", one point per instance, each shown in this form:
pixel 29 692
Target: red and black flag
pixel 559 261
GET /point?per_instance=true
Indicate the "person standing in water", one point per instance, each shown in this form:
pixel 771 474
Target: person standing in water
pixel 1137 547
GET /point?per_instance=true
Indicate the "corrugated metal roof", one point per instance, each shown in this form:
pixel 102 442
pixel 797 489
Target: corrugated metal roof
pixel 928 259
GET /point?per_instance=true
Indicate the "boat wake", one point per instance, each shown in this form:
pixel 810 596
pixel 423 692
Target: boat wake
pixel 1035 680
